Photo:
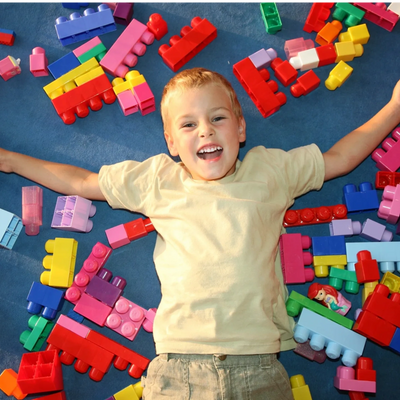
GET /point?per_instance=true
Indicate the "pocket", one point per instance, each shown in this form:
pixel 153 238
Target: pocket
pixel 153 370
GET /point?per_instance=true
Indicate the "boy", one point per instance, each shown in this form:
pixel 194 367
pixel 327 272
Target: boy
pixel 222 317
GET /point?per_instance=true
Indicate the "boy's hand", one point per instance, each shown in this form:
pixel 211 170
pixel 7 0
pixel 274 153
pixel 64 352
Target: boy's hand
pixel 396 94
pixel 4 165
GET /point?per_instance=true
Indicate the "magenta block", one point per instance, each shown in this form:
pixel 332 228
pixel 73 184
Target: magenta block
pixel 38 62
pixel 9 67
pixel 148 322
pixel 32 209
pixel 127 102
pixel 345 380
pixel 92 309
pixel 344 227
pixel 388 157
pixel 145 98
pixel 263 58
pixel 73 326
pixel 389 209
pixel 375 231
pixel 102 288
pixel 117 236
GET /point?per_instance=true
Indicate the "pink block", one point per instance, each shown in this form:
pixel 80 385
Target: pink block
pixel 294 46
pixel 32 209
pixel 73 326
pixel 126 318
pixel 96 260
pixel 388 158
pixel 87 46
pixel 131 42
pixel 389 208
pixel 378 14
pixel 149 321
pixel 145 98
pixel 92 309
pixel 345 380
pixel 127 102
pixel 293 258
pixel 9 67
pixel 38 62
pixel 117 236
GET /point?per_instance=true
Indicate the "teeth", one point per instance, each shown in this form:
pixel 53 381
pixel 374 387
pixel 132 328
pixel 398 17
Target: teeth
pixel 210 149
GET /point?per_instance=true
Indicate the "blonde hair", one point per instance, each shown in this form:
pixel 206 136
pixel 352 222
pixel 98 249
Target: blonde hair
pixel 196 78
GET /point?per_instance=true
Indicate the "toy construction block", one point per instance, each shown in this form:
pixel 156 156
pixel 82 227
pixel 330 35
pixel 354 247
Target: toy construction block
pixel 123 13
pixel 284 71
pixel 157 26
pixel 366 268
pixel 294 259
pixel 40 328
pixel 72 214
pixel 300 390
pixel 45 300
pixel 395 342
pixel 92 48
pixel 293 46
pixel 75 6
pixel 7 37
pixel 96 260
pixel 271 17
pixel 376 232
pixel 296 302
pixel 364 199
pixel 304 350
pixel 344 227
pixel 305 60
pixel 9 384
pixel 131 392
pixel 54 396
pixel 132 79
pixel 347 51
pixel 192 41
pixel 123 234
pixel 9 67
pixel 328 245
pixel 392 281
pixel 130 44
pixel 329 33
pixel 32 209
pixel 379 15
pixel 338 75
pixel 347 13
pixel 325 333
pixel 38 64
pixel 263 58
pixel 384 178
pixel 339 275
pixel 63 65
pixel 305 84
pixel 40 372
pixel 394 8
pixel 145 98
pixel 388 157
pixel 345 379
pixel 317 17
pixel 264 94
pixel 61 264
pixel 357 34
pixel 85 27
pixel 312 216
pixel 10 228
pixel 387 254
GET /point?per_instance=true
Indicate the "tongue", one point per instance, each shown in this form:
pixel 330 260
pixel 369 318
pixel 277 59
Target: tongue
pixel 209 156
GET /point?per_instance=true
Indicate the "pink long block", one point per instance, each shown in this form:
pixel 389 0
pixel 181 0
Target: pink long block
pixel 73 326
pixel 345 380
pixel 378 14
pixel 38 62
pixel 127 102
pixel 389 208
pixel 92 309
pixel 131 42
pixel 117 236
pixel 388 157
pixel 87 46
pixel 293 258
pixel 145 98
pixel 32 209
pixel 96 260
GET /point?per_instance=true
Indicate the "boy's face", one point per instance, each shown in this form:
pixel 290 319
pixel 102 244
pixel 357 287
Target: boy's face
pixel 203 130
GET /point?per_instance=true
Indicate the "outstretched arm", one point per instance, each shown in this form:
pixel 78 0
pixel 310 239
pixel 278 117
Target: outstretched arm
pixel 61 178
pixel 352 149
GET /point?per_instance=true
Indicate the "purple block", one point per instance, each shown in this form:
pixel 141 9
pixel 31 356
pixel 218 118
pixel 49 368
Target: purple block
pixel 123 13
pixel 375 231
pixel 103 290
pixel 344 227
pixel 263 58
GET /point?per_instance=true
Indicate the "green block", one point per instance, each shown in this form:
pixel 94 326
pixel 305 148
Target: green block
pixel 271 17
pixel 98 51
pixel 296 302
pixel 33 340
pixel 337 276
pixel 352 15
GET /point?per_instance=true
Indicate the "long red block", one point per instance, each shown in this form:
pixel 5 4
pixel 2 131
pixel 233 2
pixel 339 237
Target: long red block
pixel 317 17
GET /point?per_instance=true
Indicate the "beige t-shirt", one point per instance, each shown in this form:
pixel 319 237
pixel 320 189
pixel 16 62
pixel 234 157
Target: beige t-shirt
pixel 216 246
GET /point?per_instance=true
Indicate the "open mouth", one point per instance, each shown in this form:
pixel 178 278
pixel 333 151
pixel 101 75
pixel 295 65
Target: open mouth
pixel 209 153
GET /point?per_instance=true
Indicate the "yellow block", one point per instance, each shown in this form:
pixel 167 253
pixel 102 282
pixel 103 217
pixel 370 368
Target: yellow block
pixel 66 82
pixel 131 392
pixel 61 264
pixel 300 390
pixel 392 281
pixel 346 51
pixel 321 264
pixel 338 75
pixel 132 79
pixel 369 287
pixel 93 73
pixel 356 34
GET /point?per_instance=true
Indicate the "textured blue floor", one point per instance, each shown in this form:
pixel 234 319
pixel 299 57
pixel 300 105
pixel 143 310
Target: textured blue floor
pixel 29 124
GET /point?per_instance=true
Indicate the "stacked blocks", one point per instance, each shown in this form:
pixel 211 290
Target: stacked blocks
pixel 7 37
pixel 346 379
pixel 123 53
pixel 92 48
pixel 85 27
pixel 388 157
pixel 72 214
pixel 63 65
pixel 271 17
pixel 45 300
pixel 10 228
pixel 38 64
pixel 366 199
pixel 192 40
pixel 61 264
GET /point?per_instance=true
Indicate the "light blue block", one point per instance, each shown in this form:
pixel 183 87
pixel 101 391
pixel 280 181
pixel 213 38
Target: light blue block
pixel 10 228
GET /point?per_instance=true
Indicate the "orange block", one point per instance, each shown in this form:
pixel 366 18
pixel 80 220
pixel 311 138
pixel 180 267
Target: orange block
pixel 9 385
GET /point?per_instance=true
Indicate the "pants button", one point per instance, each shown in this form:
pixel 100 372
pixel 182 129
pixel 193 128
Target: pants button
pixel 222 357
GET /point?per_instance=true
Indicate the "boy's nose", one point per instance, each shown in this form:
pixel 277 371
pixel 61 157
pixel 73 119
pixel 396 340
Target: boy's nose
pixel 206 131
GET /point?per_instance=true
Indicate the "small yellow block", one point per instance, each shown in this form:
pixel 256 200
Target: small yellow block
pixel 93 73
pixel 392 281
pixel 321 264
pixel 369 287
pixel 346 51
pixel 132 79
pixel 357 34
pixel 300 390
pixel 338 75
pixel 61 264
pixel 131 392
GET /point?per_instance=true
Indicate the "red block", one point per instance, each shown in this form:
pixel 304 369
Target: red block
pixel 7 38
pixel 385 178
pixel 364 369
pixel 80 99
pixel 367 269
pixel 157 26
pixel 138 228
pixel 305 84
pixel 327 54
pixel 184 48
pixel 284 71
pixel 317 16
pixel 55 396
pixel 357 396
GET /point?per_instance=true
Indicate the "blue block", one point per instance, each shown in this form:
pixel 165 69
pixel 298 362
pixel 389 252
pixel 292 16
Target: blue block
pixel 10 228
pixel 395 343
pixel 63 65
pixel 75 316
pixel 75 6
pixel 366 199
pixel 328 246
pixel 85 27
pixel 51 299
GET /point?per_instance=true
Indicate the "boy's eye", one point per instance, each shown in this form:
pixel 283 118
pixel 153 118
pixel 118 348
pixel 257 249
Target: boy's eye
pixel 216 119
pixel 188 125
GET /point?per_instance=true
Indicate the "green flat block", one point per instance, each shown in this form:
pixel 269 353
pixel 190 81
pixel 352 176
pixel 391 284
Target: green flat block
pixel 271 17
pixel 41 327
pixel 98 51
pixel 337 276
pixel 351 14
pixel 296 302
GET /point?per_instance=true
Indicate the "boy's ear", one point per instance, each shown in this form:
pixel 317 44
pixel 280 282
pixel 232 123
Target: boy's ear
pixel 242 130
pixel 170 143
